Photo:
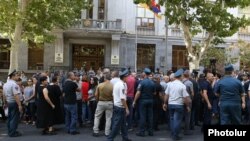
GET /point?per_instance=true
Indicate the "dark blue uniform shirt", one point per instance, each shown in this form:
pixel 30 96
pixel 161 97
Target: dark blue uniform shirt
pixel 230 89
pixel 147 89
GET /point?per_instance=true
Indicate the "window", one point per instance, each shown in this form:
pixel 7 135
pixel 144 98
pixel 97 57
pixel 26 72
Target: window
pixel 145 18
pixel 35 56
pixel 179 57
pixel 101 9
pixel 90 10
pixel 86 56
pixel 4 53
pixel 145 56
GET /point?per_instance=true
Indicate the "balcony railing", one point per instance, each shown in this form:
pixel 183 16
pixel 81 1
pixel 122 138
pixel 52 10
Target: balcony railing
pixel 145 30
pixel 244 36
pixel 176 32
pixel 97 24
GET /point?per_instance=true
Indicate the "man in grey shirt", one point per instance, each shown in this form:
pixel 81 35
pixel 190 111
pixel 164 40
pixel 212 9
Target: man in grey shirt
pixel 190 90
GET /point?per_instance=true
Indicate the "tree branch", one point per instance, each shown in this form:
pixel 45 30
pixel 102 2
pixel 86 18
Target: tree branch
pixel 187 36
pixel 206 43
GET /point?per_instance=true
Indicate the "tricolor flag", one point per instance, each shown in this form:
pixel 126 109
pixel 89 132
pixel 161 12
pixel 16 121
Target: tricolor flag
pixel 155 8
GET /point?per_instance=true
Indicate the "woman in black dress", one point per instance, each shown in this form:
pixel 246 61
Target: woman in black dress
pixel 45 108
pixel 55 95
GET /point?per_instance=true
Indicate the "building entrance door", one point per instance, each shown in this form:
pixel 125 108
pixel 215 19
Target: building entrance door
pixel 179 59
pixel 85 56
pixel 145 56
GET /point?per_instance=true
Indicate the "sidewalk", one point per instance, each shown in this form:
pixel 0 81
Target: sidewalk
pixel 31 133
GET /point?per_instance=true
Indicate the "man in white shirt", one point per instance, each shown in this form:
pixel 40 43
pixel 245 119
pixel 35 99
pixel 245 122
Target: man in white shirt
pixel 175 99
pixel 115 77
pixel 120 110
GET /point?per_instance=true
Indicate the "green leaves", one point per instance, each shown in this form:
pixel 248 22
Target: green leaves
pixel 213 52
pixel 244 54
pixel 210 16
pixel 40 18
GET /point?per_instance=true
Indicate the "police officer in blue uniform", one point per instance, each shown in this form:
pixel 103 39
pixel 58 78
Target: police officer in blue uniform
pixel 232 98
pixel 145 93
pixel 11 93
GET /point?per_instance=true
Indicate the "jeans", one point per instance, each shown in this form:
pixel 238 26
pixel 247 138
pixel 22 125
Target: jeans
pixel 92 109
pixel 130 116
pixel 32 108
pixel 192 118
pixel 13 118
pixel 2 113
pixel 70 117
pixel 79 111
pixel 84 111
pixel 146 114
pixel 230 113
pixel 156 112
pixel 118 124
pixel 187 118
pixel 248 111
pixel 176 114
pixel 207 116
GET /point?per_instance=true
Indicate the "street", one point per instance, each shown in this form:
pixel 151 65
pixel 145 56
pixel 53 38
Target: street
pixel 31 133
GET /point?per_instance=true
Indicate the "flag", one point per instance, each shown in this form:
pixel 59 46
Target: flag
pixel 155 8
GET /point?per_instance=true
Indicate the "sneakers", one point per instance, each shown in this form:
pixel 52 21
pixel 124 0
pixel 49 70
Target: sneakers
pixel 130 129
pixel 44 132
pixel 98 134
pixel 188 133
pixel 17 134
pixel 75 133
pixel 126 139
pixel 140 134
pixel 177 138
pixel 151 134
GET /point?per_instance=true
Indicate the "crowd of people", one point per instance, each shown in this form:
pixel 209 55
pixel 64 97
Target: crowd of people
pixel 118 101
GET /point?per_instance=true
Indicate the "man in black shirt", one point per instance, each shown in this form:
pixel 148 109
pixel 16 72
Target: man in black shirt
pixel 208 96
pixel 70 104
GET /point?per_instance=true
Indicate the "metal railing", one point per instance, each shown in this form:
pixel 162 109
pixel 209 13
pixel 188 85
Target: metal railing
pixel 145 30
pixel 97 24
pixel 244 36
pixel 176 32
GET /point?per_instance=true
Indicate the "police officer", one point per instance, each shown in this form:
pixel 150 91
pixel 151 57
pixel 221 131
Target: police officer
pixel 145 93
pixel 120 110
pixel 11 92
pixel 176 100
pixel 232 98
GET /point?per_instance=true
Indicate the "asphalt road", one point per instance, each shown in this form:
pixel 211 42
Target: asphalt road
pixel 31 133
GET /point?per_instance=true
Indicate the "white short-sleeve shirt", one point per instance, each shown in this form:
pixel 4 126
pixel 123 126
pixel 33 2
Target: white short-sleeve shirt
pixel 176 91
pixel 10 89
pixel 119 92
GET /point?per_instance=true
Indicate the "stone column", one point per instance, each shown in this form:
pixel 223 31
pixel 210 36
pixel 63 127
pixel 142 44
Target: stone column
pixel 95 9
pixel 115 46
pixel 169 56
pixel 59 56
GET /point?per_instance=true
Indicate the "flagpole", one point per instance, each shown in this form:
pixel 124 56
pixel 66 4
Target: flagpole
pixel 166 50
pixel 136 38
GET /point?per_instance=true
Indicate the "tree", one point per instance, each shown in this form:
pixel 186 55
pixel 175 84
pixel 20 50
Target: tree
pixel 244 54
pixel 24 20
pixel 203 16
pixel 214 53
